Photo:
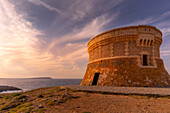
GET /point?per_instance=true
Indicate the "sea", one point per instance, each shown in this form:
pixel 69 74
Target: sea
pixel 30 84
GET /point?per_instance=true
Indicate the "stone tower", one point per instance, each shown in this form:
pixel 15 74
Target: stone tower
pixel 127 56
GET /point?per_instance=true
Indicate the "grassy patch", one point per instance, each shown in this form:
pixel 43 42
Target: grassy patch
pixel 2 103
pixel 16 94
pixel 13 103
pixel 22 97
pixel 67 89
pixel 104 93
pixel 59 94
pixel 40 96
pixel 6 97
pixel 50 102
pixel 39 110
pixel 154 97
pixel 9 105
pixel 135 96
pixel 51 95
pixel 168 97
pixel 30 108
pixel 144 96
pixel 61 100
pixel 74 90
pixel 25 107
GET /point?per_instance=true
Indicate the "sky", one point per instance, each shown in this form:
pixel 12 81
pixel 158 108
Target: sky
pixel 40 38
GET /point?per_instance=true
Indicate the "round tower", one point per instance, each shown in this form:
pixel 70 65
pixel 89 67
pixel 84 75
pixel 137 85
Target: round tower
pixel 127 56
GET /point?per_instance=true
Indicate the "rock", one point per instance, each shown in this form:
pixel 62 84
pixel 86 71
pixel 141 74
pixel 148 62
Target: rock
pixel 62 88
pixel 57 103
pixel 8 88
pixel 40 106
pixel 21 98
pixel 67 95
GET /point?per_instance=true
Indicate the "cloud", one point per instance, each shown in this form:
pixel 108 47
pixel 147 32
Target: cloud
pixel 17 38
pixel 41 3
pixel 165 52
pixel 159 22
pixel 23 54
pixel 87 32
pixel 78 9
pixel 69 52
pixel 82 9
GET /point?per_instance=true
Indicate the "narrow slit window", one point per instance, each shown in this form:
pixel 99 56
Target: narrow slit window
pixel 141 42
pixel 145 60
pixel 148 43
pixel 151 43
pixel 144 42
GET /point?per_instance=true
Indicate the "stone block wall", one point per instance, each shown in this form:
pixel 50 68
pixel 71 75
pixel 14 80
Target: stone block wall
pixel 126 72
pixel 127 56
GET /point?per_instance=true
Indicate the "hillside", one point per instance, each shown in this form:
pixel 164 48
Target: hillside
pixel 60 100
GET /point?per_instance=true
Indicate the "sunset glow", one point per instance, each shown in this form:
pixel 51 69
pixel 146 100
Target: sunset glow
pixel 49 37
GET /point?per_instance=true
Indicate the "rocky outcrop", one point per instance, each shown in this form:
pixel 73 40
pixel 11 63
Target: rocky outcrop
pixel 7 88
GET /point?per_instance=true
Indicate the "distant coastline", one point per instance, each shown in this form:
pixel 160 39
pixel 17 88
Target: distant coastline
pixel 41 78
pixel 30 84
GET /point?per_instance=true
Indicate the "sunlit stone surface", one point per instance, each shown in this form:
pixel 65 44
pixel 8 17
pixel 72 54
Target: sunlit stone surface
pixel 127 56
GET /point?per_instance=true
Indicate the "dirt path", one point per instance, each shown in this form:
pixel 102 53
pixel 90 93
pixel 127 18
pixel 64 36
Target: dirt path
pixel 103 103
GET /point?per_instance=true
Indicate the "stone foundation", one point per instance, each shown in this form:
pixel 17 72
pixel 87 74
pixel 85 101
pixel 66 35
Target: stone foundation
pixel 126 72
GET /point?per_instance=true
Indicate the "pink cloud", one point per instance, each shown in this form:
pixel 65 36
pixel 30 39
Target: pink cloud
pixel 22 53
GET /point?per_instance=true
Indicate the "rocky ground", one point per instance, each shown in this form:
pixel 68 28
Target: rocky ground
pixel 60 100
pixel 5 88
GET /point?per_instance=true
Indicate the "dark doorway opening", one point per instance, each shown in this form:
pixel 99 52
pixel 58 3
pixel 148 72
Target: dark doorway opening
pixel 95 79
pixel 145 62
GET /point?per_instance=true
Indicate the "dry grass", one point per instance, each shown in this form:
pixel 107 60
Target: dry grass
pixel 66 100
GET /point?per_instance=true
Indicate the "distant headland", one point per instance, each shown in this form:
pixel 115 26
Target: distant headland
pixel 41 78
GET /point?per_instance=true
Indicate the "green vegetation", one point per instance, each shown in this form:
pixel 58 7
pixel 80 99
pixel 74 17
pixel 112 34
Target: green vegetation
pixel 39 110
pixel 14 102
pixel 148 96
pixel 40 96
pixel 25 107
pixel 61 100
pixel 37 100
pixel 40 100
pixel 16 94
pixel 59 94
pixel 168 97
pixel 50 102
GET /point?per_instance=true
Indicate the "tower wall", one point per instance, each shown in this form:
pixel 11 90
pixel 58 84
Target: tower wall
pixel 127 56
